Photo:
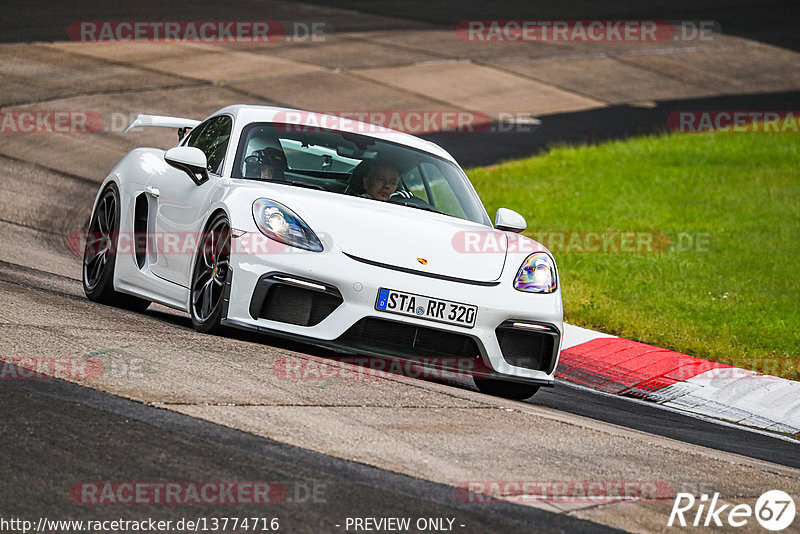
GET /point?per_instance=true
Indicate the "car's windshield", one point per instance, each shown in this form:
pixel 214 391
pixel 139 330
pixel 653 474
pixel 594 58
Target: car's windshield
pixel 357 165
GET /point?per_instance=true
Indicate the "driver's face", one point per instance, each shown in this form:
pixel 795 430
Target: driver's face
pixel 266 172
pixel 381 183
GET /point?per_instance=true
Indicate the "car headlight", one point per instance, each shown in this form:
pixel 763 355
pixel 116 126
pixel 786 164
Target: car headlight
pixel 537 274
pixel 278 222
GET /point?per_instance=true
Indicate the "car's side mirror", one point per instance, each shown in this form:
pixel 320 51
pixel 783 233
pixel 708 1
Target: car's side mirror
pixel 509 220
pixel 190 160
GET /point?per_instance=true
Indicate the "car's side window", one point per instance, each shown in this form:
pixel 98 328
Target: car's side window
pixel 413 181
pixel 443 196
pixel 212 138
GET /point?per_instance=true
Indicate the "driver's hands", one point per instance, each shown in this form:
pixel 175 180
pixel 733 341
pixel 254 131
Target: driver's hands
pixel 401 194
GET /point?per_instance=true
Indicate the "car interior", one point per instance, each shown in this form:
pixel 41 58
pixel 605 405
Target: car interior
pixel 338 162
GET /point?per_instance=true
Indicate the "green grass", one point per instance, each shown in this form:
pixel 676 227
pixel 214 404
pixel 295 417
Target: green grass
pixel 735 298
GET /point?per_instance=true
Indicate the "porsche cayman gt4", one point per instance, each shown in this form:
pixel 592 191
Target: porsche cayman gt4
pixel 334 232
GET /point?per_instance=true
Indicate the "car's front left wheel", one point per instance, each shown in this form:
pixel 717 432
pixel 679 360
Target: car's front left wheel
pixel 210 274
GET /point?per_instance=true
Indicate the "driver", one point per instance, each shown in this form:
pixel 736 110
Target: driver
pixel 381 182
pixel 271 171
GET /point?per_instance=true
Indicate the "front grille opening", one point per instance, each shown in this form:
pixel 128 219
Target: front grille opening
pixel 408 340
pixel 527 349
pixel 297 305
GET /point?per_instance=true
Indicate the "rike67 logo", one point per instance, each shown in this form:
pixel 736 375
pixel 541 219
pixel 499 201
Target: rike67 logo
pixel 774 510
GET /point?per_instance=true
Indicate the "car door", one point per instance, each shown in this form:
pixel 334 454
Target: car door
pixel 180 202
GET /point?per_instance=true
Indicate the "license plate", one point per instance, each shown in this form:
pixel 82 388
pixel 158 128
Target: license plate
pixel 443 311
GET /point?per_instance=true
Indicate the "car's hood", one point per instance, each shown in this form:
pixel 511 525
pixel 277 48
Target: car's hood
pixel 398 236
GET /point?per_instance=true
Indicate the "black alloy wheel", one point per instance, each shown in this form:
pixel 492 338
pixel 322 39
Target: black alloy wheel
pixel 99 254
pixel 210 274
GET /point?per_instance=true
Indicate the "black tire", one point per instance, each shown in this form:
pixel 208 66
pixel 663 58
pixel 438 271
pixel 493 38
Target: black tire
pixel 506 389
pixel 209 275
pixel 99 255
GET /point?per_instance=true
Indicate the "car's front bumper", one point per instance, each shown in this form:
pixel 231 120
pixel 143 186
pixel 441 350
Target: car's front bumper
pixel 518 321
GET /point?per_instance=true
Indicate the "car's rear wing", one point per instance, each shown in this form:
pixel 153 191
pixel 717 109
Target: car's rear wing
pixel 183 125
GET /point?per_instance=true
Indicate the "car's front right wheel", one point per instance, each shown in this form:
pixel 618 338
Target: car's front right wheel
pixel 505 389
pixel 209 276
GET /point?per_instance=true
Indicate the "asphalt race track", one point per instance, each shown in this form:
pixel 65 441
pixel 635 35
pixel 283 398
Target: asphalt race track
pixel 85 434
pixel 176 406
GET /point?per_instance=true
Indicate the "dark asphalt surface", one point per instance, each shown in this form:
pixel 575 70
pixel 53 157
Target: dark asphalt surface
pixel 593 126
pixel 623 412
pixel 57 434
pixel 773 22
pixel 655 420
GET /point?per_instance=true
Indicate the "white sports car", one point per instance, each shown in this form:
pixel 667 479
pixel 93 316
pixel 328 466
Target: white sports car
pixel 330 231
